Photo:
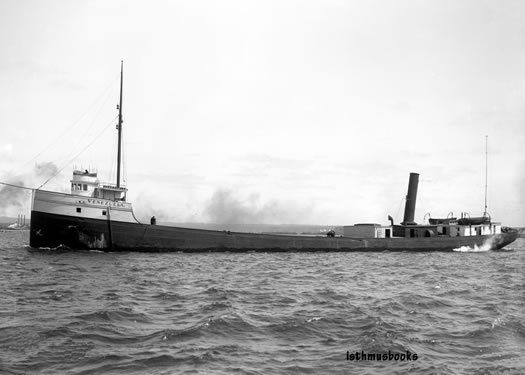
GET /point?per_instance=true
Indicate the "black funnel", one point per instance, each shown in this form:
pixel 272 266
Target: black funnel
pixel 410 205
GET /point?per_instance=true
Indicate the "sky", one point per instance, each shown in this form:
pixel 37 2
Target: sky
pixel 310 112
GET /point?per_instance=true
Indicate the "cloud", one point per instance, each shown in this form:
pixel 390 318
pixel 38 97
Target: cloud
pixel 6 150
pixel 45 169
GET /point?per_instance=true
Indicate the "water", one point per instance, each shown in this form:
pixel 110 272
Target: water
pixel 251 313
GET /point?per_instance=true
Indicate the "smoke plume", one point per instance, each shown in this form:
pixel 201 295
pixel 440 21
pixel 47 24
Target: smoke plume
pixel 11 196
pixel 12 199
pixel 225 208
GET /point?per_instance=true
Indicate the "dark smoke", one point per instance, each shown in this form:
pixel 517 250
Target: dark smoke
pixel 11 196
pixel 12 199
pixel 225 208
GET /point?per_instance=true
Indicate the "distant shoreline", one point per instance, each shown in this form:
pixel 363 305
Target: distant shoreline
pixel 306 229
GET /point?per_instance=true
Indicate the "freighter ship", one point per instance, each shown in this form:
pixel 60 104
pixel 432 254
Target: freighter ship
pixel 97 216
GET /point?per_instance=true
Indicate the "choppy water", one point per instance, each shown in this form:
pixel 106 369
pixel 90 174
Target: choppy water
pixel 252 313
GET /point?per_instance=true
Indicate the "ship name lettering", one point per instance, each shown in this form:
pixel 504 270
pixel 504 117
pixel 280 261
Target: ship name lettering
pixel 103 203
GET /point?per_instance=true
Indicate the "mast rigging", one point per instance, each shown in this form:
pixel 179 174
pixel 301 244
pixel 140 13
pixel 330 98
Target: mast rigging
pixel 119 126
pixel 486 173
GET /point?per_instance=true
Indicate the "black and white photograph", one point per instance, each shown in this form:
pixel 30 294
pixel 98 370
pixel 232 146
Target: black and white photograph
pixel 262 187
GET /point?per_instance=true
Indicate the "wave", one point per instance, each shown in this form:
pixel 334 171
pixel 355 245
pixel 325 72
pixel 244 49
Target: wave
pixel 475 249
pixel 86 313
pixel 114 316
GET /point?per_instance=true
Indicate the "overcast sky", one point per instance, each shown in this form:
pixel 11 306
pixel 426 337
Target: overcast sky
pixel 294 111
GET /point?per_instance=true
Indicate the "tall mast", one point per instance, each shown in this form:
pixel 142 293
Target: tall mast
pixel 486 172
pixel 119 126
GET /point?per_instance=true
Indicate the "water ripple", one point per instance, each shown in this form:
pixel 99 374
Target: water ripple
pixel 252 313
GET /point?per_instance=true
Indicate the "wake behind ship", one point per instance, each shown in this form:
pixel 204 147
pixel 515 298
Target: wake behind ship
pixel 96 215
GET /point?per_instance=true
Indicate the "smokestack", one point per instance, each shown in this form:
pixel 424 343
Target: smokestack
pixel 410 205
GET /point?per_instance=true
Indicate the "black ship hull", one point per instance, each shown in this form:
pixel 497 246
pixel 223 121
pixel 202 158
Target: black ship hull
pixel 53 230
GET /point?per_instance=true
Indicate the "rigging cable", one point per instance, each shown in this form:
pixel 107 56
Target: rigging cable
pixel 124 169
pixel 86 131
pixel 403 199
pixel 16 186
pixel 78 154
pixel 105 93
pixel 486 172
pixel 112 170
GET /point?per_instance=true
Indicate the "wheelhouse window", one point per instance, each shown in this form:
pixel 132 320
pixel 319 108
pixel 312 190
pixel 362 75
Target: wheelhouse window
pixel 85 187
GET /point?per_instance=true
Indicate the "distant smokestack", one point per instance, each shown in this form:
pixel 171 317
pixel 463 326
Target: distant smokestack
pixel 410 205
